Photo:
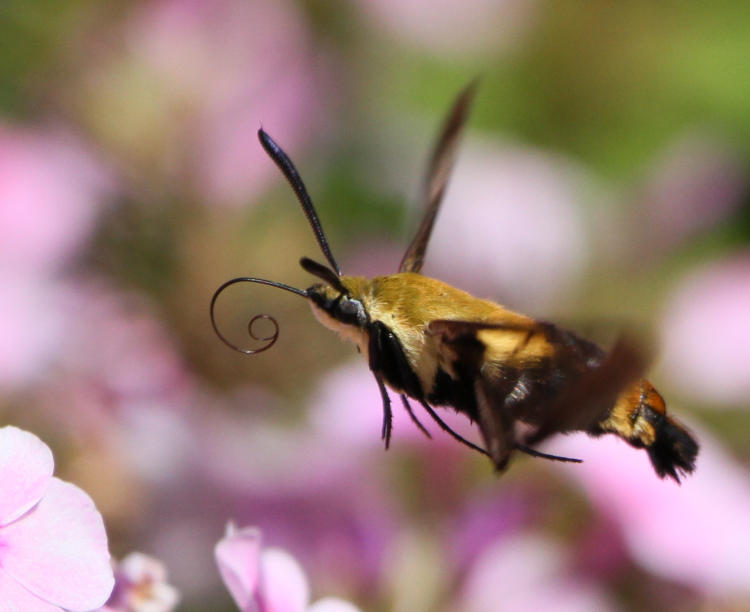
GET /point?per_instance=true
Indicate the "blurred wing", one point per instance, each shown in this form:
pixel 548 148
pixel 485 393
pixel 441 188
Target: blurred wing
pixel 436 179
pixel 570 394
pixel 588 399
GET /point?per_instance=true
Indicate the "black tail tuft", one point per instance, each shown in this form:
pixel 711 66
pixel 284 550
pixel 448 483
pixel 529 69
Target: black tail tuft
pixel 673 451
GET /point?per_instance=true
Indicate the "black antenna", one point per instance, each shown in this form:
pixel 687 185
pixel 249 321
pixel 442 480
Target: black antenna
pixel 281 159
pixel 323 273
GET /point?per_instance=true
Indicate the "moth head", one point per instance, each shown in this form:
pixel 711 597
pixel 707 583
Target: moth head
pixel 338 299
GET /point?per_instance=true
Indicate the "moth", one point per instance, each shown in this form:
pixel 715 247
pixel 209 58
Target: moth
pixel 520 379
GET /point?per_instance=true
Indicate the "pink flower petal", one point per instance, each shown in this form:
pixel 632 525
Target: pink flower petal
pixel 58 551
pixel 285 587
pixel 272 577
pixel 26 466
pixel 15 598
pixel 238 558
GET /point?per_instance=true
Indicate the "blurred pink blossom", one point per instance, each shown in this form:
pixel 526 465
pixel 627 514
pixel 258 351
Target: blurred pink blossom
pixel 695 533
pixel 706 333
pixel 141 586
pixel 122 379
pixel 266 579
pixel 110 363
pixel 51 189
pixel 698 182
pixel 115 338
pixel 511 227
pixel 32 326
pixel 487 517
pixel 452 27
pixel 53 547
pixel 215 71
pixel 528 572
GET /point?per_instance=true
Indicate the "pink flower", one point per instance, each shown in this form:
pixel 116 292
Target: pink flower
pixel 141 586
pixel 53 547
pixel 707 334
pixel 51 190
pixel 696 533
pixel 266 580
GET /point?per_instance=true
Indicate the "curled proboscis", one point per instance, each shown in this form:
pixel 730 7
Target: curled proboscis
pixel 269 340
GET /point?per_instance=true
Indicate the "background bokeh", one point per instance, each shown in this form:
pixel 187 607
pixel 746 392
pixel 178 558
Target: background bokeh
pixel 603 182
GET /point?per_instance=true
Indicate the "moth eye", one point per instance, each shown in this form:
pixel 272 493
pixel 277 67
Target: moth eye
pixel 351 311
pixel 349 307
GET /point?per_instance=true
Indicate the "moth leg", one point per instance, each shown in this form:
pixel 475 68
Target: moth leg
pixel 535 453
pixel 520 390
pixel 385 431
pixel 413 416
pixel 446 428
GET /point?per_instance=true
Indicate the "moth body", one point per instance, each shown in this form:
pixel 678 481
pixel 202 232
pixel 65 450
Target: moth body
pixel 522 364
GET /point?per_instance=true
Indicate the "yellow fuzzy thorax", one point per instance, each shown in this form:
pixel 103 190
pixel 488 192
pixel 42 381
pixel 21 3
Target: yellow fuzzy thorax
pixel 406 303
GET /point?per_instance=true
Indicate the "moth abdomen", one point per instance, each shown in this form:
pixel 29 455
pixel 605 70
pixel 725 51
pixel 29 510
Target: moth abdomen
pixel 640 418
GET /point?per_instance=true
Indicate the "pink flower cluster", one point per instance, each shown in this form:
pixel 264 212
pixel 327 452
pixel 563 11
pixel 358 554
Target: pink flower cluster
pixel 53 547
